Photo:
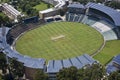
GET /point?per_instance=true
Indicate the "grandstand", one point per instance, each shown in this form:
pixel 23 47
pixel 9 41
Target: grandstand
pixel 103 21
pixel 76 8
pixel 54 66
pixel 33 19
pixel 22 27
pixel 104 12
pixel 114 65
pixel 81 61
pixel 51 19
pixel 109 35
pixel 106 30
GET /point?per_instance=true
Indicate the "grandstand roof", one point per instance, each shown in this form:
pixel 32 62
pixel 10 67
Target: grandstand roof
pixel 115 15
pixel 55 65
pixel 28 61
pixel 110 67
pixel 74 5
pixel 117 59
pixel 67 63
pixel 34 63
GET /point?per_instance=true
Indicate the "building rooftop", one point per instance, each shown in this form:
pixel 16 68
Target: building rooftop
pixel 47 10
pixel 55 65
pixel 11 9
pixel 115 15
pixel 117 59
pixel 111 67
pixel 76 5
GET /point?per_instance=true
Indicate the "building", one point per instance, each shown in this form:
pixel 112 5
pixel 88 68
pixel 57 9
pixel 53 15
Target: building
pixel 48 12
pixel 58 4
pixel 11 12
pixel 76 8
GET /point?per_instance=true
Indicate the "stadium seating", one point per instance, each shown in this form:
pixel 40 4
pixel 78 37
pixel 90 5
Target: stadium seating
pixel 105 12
pixel 58 19
pixel 76 63
pixel 50 20
pixel 71 17
pixel 67 63
pixel 67 16
pixel 109 35
pixel 114 65
pixel 90 20
pixel 34 19
pixel 55 65
pixel 76 18
pixel 20 28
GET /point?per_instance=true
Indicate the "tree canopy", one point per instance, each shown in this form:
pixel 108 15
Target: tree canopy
pixel 40 75
pixel 94 72
pixel 16 68
pixel 114 76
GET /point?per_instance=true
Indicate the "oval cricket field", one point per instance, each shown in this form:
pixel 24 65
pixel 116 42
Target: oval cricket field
pixel 59 40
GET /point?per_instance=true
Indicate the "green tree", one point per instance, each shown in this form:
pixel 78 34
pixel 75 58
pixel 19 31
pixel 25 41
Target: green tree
pixel 40 75
pixel 94 72
pixel 67 74
pixel 114 76
pixel 3 64
pixel 1 77
pixel 89 72
pixel 4 20
pixel 113 4
pixel 16 68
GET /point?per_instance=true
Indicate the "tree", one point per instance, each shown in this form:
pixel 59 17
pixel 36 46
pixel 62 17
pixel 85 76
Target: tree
pixel 40 75
pixel 114 76
pixel 4 20
pixel 89 72
pixel 3 64
pixel 1 77
pixel 67 74
pixel 93 72
pixel 113 4
pixel 16 68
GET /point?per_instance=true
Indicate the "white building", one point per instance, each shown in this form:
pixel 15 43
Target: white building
pixel 48 12
pixel 58 4
pixel 11 12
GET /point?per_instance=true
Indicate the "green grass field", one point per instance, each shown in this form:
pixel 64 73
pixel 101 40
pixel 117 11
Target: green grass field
pixel 46 41
pixel 42 6
pixel 112 48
